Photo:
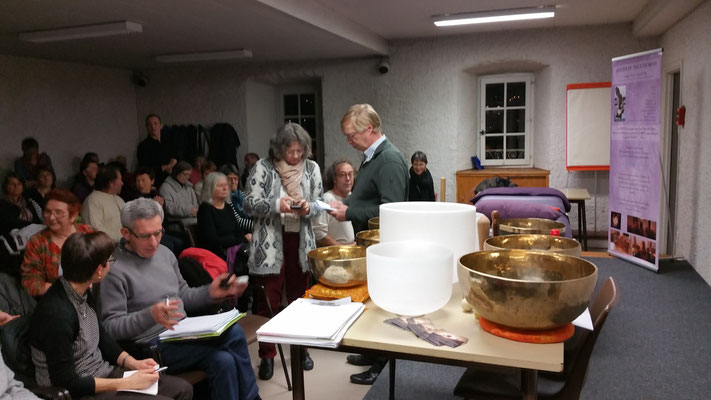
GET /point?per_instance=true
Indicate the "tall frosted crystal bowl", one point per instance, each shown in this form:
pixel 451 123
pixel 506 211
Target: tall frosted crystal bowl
pixel 367 238
pixel 527 289
pixel 555 244
pixel 452 225
pixel 540 226
pixel 409 278
pixel 374 223
pixel 338 266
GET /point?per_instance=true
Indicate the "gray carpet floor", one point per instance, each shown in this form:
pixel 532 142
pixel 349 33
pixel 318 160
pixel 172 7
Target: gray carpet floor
pixel 656 344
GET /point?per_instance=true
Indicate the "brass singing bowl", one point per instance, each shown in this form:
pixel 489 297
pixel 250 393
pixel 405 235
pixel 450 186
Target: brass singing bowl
pixel 530 226
pixel 367 238
pixel 527 289
pixel 374 223
pixel 555 244
pixel 338 266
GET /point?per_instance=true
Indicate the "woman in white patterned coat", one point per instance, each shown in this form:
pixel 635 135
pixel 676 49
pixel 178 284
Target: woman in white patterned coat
pixel 281 191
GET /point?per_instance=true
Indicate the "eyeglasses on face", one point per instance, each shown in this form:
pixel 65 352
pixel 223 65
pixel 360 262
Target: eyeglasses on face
pixel 146 236
pixel 57 213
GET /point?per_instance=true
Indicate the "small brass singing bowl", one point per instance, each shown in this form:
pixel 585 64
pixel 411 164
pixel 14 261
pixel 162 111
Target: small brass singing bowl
pixel 338 266
pixel 374 223
pixel 530 226
pixel 555 244
pixel 527 289
pixel 367 238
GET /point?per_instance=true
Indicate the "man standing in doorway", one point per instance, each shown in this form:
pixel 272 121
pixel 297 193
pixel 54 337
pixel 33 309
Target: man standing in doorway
pixel 382 178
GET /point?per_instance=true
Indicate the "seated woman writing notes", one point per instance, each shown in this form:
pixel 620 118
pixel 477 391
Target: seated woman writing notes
pixel 71 349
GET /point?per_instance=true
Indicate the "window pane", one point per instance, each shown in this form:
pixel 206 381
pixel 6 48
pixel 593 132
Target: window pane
pixel 294 120
pixel 515 121
pixel 515 147
pixel 495 95
pixel 310 125
pixel 291 104
pixel 494 122
pixel 516 94
pixel 494 147
pixel 308 104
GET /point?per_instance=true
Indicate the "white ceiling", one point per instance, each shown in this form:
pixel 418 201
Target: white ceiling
pixel 283 30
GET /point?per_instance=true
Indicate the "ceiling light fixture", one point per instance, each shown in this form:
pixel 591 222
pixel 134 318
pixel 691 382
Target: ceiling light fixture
pixel 82 32
pixel 514 14
pixel 209 56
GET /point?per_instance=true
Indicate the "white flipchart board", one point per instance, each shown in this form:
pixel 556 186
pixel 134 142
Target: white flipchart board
pixel 588 126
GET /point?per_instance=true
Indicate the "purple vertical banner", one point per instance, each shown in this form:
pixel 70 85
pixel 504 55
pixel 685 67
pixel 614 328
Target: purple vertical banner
pixel 635 179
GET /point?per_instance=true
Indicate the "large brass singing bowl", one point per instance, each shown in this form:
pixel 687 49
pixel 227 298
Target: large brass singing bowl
pixel 367 238
pixel 338 266
pixel 374 223
pixel 527 289
pixel 554 244
pixel 530 226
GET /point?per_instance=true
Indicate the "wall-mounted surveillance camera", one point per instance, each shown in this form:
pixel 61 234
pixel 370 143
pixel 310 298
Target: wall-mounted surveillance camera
pixel 139 79
pixel 384 66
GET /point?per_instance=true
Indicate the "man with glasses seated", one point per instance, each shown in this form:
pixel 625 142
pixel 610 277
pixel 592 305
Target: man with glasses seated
pixel 145 294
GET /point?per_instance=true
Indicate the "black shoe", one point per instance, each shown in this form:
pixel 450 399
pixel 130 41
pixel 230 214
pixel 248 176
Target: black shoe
pixel 308 362
pixel 365 378
pixel 266 369
pixel 360 360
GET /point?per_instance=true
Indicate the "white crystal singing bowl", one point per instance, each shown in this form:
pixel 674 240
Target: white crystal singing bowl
pixel 409 278
pixel 453 225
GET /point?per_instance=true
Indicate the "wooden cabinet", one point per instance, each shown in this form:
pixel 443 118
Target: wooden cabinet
pixel 468 179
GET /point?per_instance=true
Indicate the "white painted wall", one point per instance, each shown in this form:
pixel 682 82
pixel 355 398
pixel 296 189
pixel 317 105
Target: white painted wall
pixel 69 108
pixel 689 42
pixel 262 118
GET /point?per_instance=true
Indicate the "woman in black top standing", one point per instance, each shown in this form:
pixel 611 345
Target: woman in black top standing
pixel 421 185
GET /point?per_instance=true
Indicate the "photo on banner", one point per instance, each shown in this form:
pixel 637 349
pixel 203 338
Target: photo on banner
pixel 635 176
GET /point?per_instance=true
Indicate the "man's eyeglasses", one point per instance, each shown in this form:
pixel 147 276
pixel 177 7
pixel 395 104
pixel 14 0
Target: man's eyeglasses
pixel 146 236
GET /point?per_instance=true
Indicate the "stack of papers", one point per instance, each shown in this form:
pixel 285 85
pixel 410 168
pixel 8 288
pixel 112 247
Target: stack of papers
pixel 310 322
pixel 201 327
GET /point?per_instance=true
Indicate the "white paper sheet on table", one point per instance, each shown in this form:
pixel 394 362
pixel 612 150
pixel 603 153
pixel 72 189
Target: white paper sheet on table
pixel 322 206
pixel 153 389
pixel 311 322
pixel 584 321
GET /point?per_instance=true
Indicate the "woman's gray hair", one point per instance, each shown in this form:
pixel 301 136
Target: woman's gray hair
pixel 141 208
pixel 209 186
pixel 330 179
pixel 284 136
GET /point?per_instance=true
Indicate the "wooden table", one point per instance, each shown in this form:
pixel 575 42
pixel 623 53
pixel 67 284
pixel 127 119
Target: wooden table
pixel 370 335
pixel 468 179
pixel 579 196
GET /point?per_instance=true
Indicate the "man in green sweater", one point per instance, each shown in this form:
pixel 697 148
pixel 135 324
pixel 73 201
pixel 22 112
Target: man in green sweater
pixel 383 175
pixel 382 178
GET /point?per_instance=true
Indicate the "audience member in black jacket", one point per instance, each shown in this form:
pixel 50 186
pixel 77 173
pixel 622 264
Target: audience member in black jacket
pixel 421 185
pixel 153 153
pixel 71 349
pixel 15 210
pixel 217 219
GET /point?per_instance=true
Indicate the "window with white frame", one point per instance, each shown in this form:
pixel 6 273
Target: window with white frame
pixel 506 119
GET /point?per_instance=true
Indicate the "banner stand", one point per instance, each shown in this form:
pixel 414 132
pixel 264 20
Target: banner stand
pixel 635 177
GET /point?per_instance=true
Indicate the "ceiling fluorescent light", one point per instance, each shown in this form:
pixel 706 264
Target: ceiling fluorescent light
pixel 216 55
pixel 514 14
pixel 82 32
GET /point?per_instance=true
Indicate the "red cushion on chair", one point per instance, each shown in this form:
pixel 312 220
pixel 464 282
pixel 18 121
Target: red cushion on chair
pixel 213 264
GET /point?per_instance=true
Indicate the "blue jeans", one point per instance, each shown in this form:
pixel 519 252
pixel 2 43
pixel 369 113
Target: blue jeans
pixel 225 359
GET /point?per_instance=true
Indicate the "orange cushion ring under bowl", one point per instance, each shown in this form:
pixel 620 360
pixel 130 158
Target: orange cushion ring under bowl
pixel 555 335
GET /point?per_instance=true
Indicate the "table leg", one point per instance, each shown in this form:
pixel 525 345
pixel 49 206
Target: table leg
pixel 529 384
pixel 298 353
pixel 391 364
pixel 584 231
